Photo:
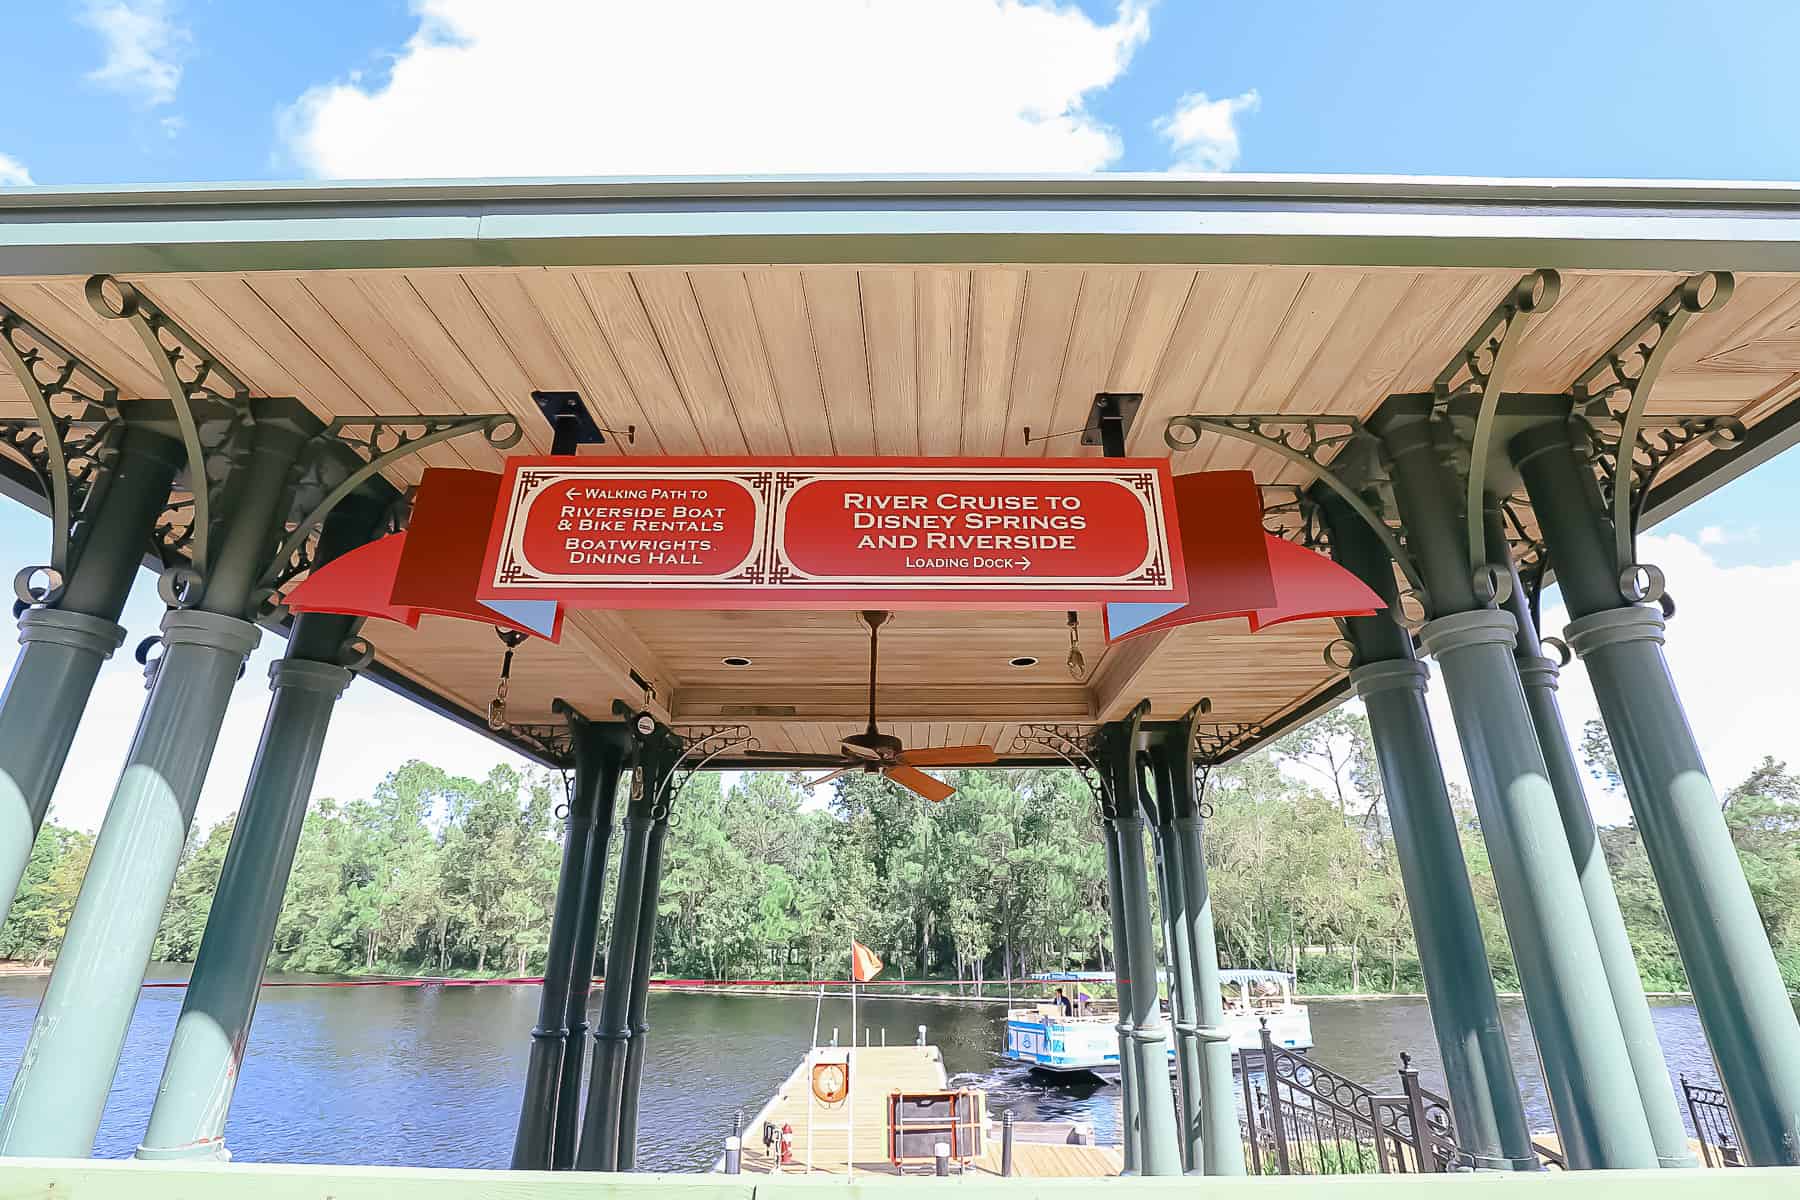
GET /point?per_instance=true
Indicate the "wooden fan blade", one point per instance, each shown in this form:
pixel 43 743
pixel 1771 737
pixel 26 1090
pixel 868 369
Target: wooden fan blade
pixel 918 781
pixel 852 750
pixel 824 779
pixel 950 756
pixel 782 757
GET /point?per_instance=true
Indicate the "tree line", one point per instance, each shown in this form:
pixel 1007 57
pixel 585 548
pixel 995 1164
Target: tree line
pixel 441 874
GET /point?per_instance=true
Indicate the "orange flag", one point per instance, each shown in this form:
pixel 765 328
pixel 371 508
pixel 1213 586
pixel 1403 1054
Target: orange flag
pixel 865 964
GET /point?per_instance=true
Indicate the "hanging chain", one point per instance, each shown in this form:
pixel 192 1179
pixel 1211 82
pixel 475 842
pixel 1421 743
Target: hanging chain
pixel 496 713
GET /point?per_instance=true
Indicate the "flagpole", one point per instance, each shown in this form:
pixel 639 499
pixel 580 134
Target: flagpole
pixel 850 1090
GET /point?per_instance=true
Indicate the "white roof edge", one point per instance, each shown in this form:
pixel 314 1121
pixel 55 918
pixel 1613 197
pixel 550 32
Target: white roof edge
pixel 1162 185
pixel 1147 220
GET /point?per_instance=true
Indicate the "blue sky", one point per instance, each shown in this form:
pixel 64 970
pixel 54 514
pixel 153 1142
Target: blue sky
pixel 123 91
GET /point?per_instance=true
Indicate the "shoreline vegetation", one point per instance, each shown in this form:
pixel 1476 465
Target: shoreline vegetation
pixel 441 876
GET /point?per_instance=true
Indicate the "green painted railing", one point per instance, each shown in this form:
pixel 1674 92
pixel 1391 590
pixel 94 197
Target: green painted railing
pixel 81 1179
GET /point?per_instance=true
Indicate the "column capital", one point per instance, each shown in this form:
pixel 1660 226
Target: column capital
pixel 1479 626
pixel 1536 671
pixel 196 627
pixel 96 635
pixel 1613 625
pixel 1397 674
pixel 327 678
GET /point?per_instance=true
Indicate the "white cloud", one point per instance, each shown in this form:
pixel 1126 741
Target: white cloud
pixel 1712 535
pixel 1735 675
pixel 13 172
pixel 144 48
pixel 1203 133
pixel 570 87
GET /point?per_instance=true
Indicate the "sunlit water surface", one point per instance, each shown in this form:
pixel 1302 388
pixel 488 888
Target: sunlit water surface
pixel 431 1076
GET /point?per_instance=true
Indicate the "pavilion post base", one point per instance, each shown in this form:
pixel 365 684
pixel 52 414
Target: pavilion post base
pixel 658 760
pixel 1743 1005
pixel 602 753
pixel 60 1090
pixel 1587 1070
pixel 1459 983
pixel 1538 675
pixel 1178 923
pixel 534 1141
pixel 599 1148
pixel 64 644
pixel 1131 1136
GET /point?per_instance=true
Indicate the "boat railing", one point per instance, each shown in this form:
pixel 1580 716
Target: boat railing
pixel 1301 1118
pixel 1719 1145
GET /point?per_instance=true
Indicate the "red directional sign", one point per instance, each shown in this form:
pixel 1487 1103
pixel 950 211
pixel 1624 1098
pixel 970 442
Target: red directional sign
pixel 825 532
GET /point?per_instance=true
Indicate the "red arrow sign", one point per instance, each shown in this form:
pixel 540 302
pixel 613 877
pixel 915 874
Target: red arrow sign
pixel 829 532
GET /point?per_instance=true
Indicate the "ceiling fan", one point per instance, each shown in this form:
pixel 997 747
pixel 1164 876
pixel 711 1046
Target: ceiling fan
pixel 878 753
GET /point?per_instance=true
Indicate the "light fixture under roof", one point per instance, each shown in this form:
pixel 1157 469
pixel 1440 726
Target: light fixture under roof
pixel 1024 660
pixel 735 660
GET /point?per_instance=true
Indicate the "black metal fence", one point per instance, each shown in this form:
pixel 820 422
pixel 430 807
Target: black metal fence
pixel 1713 1125
pixel 1301 1118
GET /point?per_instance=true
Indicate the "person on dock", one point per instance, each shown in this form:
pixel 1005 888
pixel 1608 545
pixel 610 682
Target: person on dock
pixel 1064 1005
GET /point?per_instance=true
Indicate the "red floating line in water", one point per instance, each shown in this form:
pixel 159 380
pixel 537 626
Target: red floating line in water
pixel 527 980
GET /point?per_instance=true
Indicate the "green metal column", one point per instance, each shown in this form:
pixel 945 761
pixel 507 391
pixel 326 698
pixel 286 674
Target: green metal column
pixel 1587 1070
pixel 534 1140
pixel 1539 675
pixel 194 1097
pixel 1160 1152
pixel 1222 1150
pixel 603 752
pixel 660 757
pixel 1130 1126
pixel 1459 983
pixel 1744 1007
pixel 599 1149
pixel 68 1066
pixel 1178 919
pixel 65 643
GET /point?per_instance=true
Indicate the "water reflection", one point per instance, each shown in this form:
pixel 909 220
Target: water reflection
pixel 431 1076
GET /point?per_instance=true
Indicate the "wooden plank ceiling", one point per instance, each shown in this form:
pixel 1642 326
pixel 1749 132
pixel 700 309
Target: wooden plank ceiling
pixel 903 361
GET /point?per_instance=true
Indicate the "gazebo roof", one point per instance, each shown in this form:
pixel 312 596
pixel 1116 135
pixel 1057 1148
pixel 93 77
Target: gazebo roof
pixel 908 317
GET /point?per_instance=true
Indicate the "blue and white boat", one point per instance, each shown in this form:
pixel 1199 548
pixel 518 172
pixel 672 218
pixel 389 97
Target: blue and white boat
pixel 1045 1038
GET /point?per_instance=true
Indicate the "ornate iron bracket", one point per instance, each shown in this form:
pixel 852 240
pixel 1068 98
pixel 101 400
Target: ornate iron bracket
pixel 1480 368
pixel 700 745
pixel 1310 443
pixel 1616 389
pixel 66 451
pixel 199 386
pixel 379 442
pixel 1074 744
pixel 1217 744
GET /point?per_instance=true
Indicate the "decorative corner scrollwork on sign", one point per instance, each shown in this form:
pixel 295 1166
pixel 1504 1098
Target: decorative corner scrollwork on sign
pixel 67 442
pixel 1613 394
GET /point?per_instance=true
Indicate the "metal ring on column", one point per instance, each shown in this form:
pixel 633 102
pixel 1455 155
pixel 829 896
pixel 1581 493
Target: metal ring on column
pixel 1641 583
pixel 180 586
pixel 1492 585
pixel 1564 655
pixel 356 653
pixel 1340 654
pixel 30 592
pixel 146 660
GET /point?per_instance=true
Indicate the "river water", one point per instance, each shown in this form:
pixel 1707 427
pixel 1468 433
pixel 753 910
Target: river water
pixel 431 1076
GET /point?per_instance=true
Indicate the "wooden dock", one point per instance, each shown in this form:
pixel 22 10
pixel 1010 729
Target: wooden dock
pixel 822 1137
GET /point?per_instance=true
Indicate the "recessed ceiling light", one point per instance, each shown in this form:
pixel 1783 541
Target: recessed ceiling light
pixel 1024 660
pixel 735 660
